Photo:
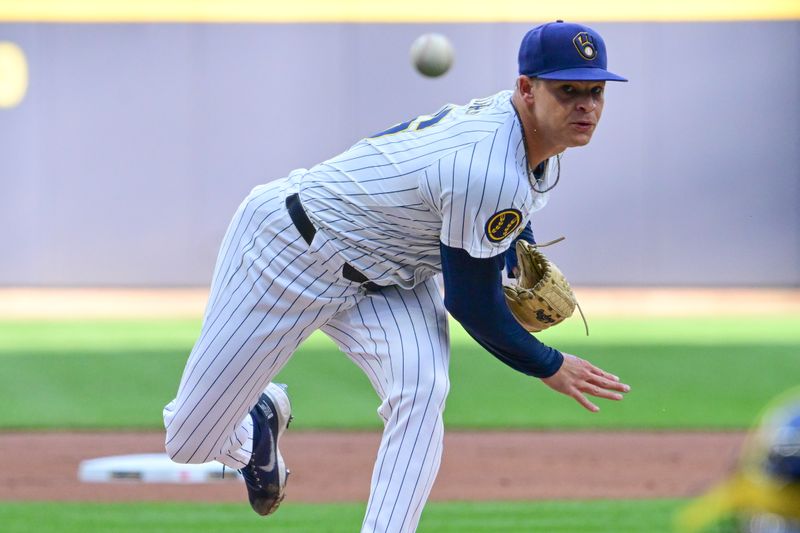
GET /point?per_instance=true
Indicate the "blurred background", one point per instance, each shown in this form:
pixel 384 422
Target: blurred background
pixel 133 143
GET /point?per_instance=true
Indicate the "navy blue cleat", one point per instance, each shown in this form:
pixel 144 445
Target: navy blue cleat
pixel 265 475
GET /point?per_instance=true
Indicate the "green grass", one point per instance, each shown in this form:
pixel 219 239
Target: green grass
pixel 599 516
pixel 685 373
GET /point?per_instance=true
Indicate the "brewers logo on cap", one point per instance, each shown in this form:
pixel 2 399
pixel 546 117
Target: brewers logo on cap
pixel 502 224
pixel 585 45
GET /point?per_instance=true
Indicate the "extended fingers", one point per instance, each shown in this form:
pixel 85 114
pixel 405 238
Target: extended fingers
pixel 600 392
pixel 606 380
pixel 584 401
pixel 602 373
pixel 578 378
pixel 609 384
pixel 603 387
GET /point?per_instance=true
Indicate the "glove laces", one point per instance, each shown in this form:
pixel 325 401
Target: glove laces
pixel 578 305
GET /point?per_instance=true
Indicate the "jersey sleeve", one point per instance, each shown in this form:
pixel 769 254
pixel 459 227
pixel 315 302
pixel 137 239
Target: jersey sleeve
pixel 483 203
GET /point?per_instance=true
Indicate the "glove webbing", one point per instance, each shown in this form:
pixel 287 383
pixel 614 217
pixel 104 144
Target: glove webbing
pixel 554 241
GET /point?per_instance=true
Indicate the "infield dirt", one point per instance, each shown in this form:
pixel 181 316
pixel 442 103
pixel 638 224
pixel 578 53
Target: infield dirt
pixel 334 467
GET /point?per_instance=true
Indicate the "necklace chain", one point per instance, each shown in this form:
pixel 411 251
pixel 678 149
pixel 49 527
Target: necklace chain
pixel 535 181
pixel 532 179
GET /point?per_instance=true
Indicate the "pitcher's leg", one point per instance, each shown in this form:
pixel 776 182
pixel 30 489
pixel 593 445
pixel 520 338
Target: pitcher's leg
pixel 400 339
pixel 269 295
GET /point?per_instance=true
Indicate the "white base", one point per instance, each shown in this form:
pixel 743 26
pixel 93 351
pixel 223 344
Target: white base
pixel 151 468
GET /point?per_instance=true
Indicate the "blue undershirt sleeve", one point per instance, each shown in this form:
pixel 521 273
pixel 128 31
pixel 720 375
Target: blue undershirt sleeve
pixel 473 295
pixel 511 254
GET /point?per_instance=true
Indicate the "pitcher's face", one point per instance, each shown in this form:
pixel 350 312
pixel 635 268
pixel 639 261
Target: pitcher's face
pixel 567 112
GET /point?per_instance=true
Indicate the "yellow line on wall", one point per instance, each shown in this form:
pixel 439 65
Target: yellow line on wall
pixel 398 11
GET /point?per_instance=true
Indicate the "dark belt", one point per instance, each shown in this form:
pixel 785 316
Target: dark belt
pixel 307 230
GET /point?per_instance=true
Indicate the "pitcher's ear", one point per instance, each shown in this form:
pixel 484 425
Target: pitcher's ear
pixel 525 87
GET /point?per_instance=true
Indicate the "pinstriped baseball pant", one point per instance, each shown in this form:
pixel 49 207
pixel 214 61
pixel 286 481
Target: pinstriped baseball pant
pixel 268 294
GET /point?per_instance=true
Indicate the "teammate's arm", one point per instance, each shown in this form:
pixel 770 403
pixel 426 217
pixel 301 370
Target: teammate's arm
pixel 474 297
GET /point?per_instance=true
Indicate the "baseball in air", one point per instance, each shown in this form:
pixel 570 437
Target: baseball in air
pixel 432 54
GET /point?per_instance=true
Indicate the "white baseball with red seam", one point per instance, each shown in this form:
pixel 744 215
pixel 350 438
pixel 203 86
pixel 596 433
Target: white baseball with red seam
pixel 432 54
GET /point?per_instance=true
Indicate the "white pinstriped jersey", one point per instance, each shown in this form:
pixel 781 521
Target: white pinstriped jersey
pixel 459 177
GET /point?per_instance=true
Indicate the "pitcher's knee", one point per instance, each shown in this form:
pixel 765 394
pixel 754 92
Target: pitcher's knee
pixel 174 451
pixel 428 394
pixel 435 388
pixel 178 441
pixel 178 447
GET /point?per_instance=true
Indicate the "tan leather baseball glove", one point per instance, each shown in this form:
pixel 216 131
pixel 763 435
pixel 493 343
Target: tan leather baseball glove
pixel 542 296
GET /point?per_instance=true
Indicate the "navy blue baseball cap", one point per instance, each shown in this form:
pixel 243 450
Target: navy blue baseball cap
pixel 564 51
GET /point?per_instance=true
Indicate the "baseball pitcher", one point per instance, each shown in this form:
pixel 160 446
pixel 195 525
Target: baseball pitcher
pixel 351 247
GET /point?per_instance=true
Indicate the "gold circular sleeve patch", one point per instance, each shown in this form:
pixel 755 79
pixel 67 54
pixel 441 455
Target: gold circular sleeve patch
pixel 502 224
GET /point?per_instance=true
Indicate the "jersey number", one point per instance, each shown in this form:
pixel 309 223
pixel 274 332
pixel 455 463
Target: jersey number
pixel 424 122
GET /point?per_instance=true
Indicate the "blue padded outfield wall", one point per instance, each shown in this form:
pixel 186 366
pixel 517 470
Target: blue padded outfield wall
pixel 134 143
